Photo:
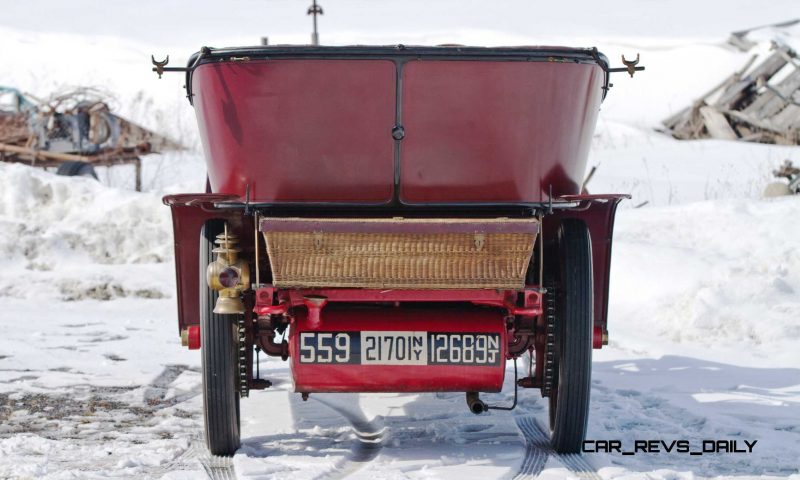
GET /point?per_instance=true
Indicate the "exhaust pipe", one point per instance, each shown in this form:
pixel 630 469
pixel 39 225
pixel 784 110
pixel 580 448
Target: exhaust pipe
pixel 475 403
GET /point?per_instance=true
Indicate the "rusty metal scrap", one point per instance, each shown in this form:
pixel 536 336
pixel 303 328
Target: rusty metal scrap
pixel 77 126
pixel 78 122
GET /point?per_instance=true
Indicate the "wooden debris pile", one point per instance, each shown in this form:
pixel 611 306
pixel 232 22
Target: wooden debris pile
pixel 758 103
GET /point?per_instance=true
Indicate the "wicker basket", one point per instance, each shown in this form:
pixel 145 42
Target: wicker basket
pixel 399 253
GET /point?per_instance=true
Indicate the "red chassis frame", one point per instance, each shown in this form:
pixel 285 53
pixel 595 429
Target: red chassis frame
pixel 191 211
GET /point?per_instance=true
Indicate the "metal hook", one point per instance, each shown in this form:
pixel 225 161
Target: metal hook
pixel 159 66
pixel 631 65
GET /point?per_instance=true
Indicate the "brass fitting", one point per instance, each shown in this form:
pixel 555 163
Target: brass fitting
pixel 228 274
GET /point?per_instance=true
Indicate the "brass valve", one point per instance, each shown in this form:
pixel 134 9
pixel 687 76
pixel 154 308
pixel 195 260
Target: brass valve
pixel 228 274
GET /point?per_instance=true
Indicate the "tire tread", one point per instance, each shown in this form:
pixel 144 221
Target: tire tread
pixel 218 351
pixel 574 343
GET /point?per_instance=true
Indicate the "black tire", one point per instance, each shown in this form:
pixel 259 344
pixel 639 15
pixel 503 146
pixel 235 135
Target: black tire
pixel 76 169
pixel 569 398
pixel 218 339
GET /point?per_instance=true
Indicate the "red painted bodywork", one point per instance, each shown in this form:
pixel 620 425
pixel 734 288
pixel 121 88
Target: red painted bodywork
pixel 319 130
pixel 496 131
pixel 399 378
pixel 267 304
pixel 298 130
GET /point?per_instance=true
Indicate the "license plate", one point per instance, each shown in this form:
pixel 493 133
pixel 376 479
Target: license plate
pixel 400 348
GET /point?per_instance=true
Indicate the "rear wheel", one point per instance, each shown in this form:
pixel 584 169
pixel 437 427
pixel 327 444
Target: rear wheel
pixel 569 397
pixel 218 336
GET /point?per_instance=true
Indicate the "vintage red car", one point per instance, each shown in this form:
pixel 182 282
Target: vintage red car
pixel 395 218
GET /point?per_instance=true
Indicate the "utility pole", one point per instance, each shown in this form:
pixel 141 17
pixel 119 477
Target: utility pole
pixel 315 10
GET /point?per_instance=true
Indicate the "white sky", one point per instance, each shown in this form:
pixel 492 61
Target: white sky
pixel 208 22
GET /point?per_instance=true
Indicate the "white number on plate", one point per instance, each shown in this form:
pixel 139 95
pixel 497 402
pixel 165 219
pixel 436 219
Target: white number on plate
pixel 324 347
pixel 394 348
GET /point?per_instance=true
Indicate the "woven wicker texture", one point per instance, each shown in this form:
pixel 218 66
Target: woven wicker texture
pixel 399 260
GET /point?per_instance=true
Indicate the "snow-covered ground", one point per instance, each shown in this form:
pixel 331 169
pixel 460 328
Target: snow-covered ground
pixel 705 300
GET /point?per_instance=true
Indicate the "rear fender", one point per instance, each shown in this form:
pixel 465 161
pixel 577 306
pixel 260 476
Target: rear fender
pixel 598 212
pixel 189 213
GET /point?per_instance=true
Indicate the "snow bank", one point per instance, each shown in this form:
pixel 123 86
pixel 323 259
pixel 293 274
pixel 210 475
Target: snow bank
pixel 70 238
pixel 47 219
pixel 661 171
pixel 720 280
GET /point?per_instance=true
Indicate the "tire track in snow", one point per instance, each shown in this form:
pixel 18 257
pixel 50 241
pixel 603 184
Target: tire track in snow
pixel 538 450
pixel 218 468
pixel 188 459
pixel 156 392
pixel 574 462
pixel 155 396
pixel 370 435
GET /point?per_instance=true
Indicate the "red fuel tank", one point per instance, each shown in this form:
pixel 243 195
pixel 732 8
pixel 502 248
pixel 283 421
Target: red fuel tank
pixel 398 349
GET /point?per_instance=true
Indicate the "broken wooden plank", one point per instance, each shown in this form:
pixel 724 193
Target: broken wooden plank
pixel 677 119
pixel 789 117
pixel 740 41
pixel 687 123
pixel 105 158
pixel 769 103
pixel 734 94
pixel 748 105
pixel 767 124
pixel 716 124
pixel 29 152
